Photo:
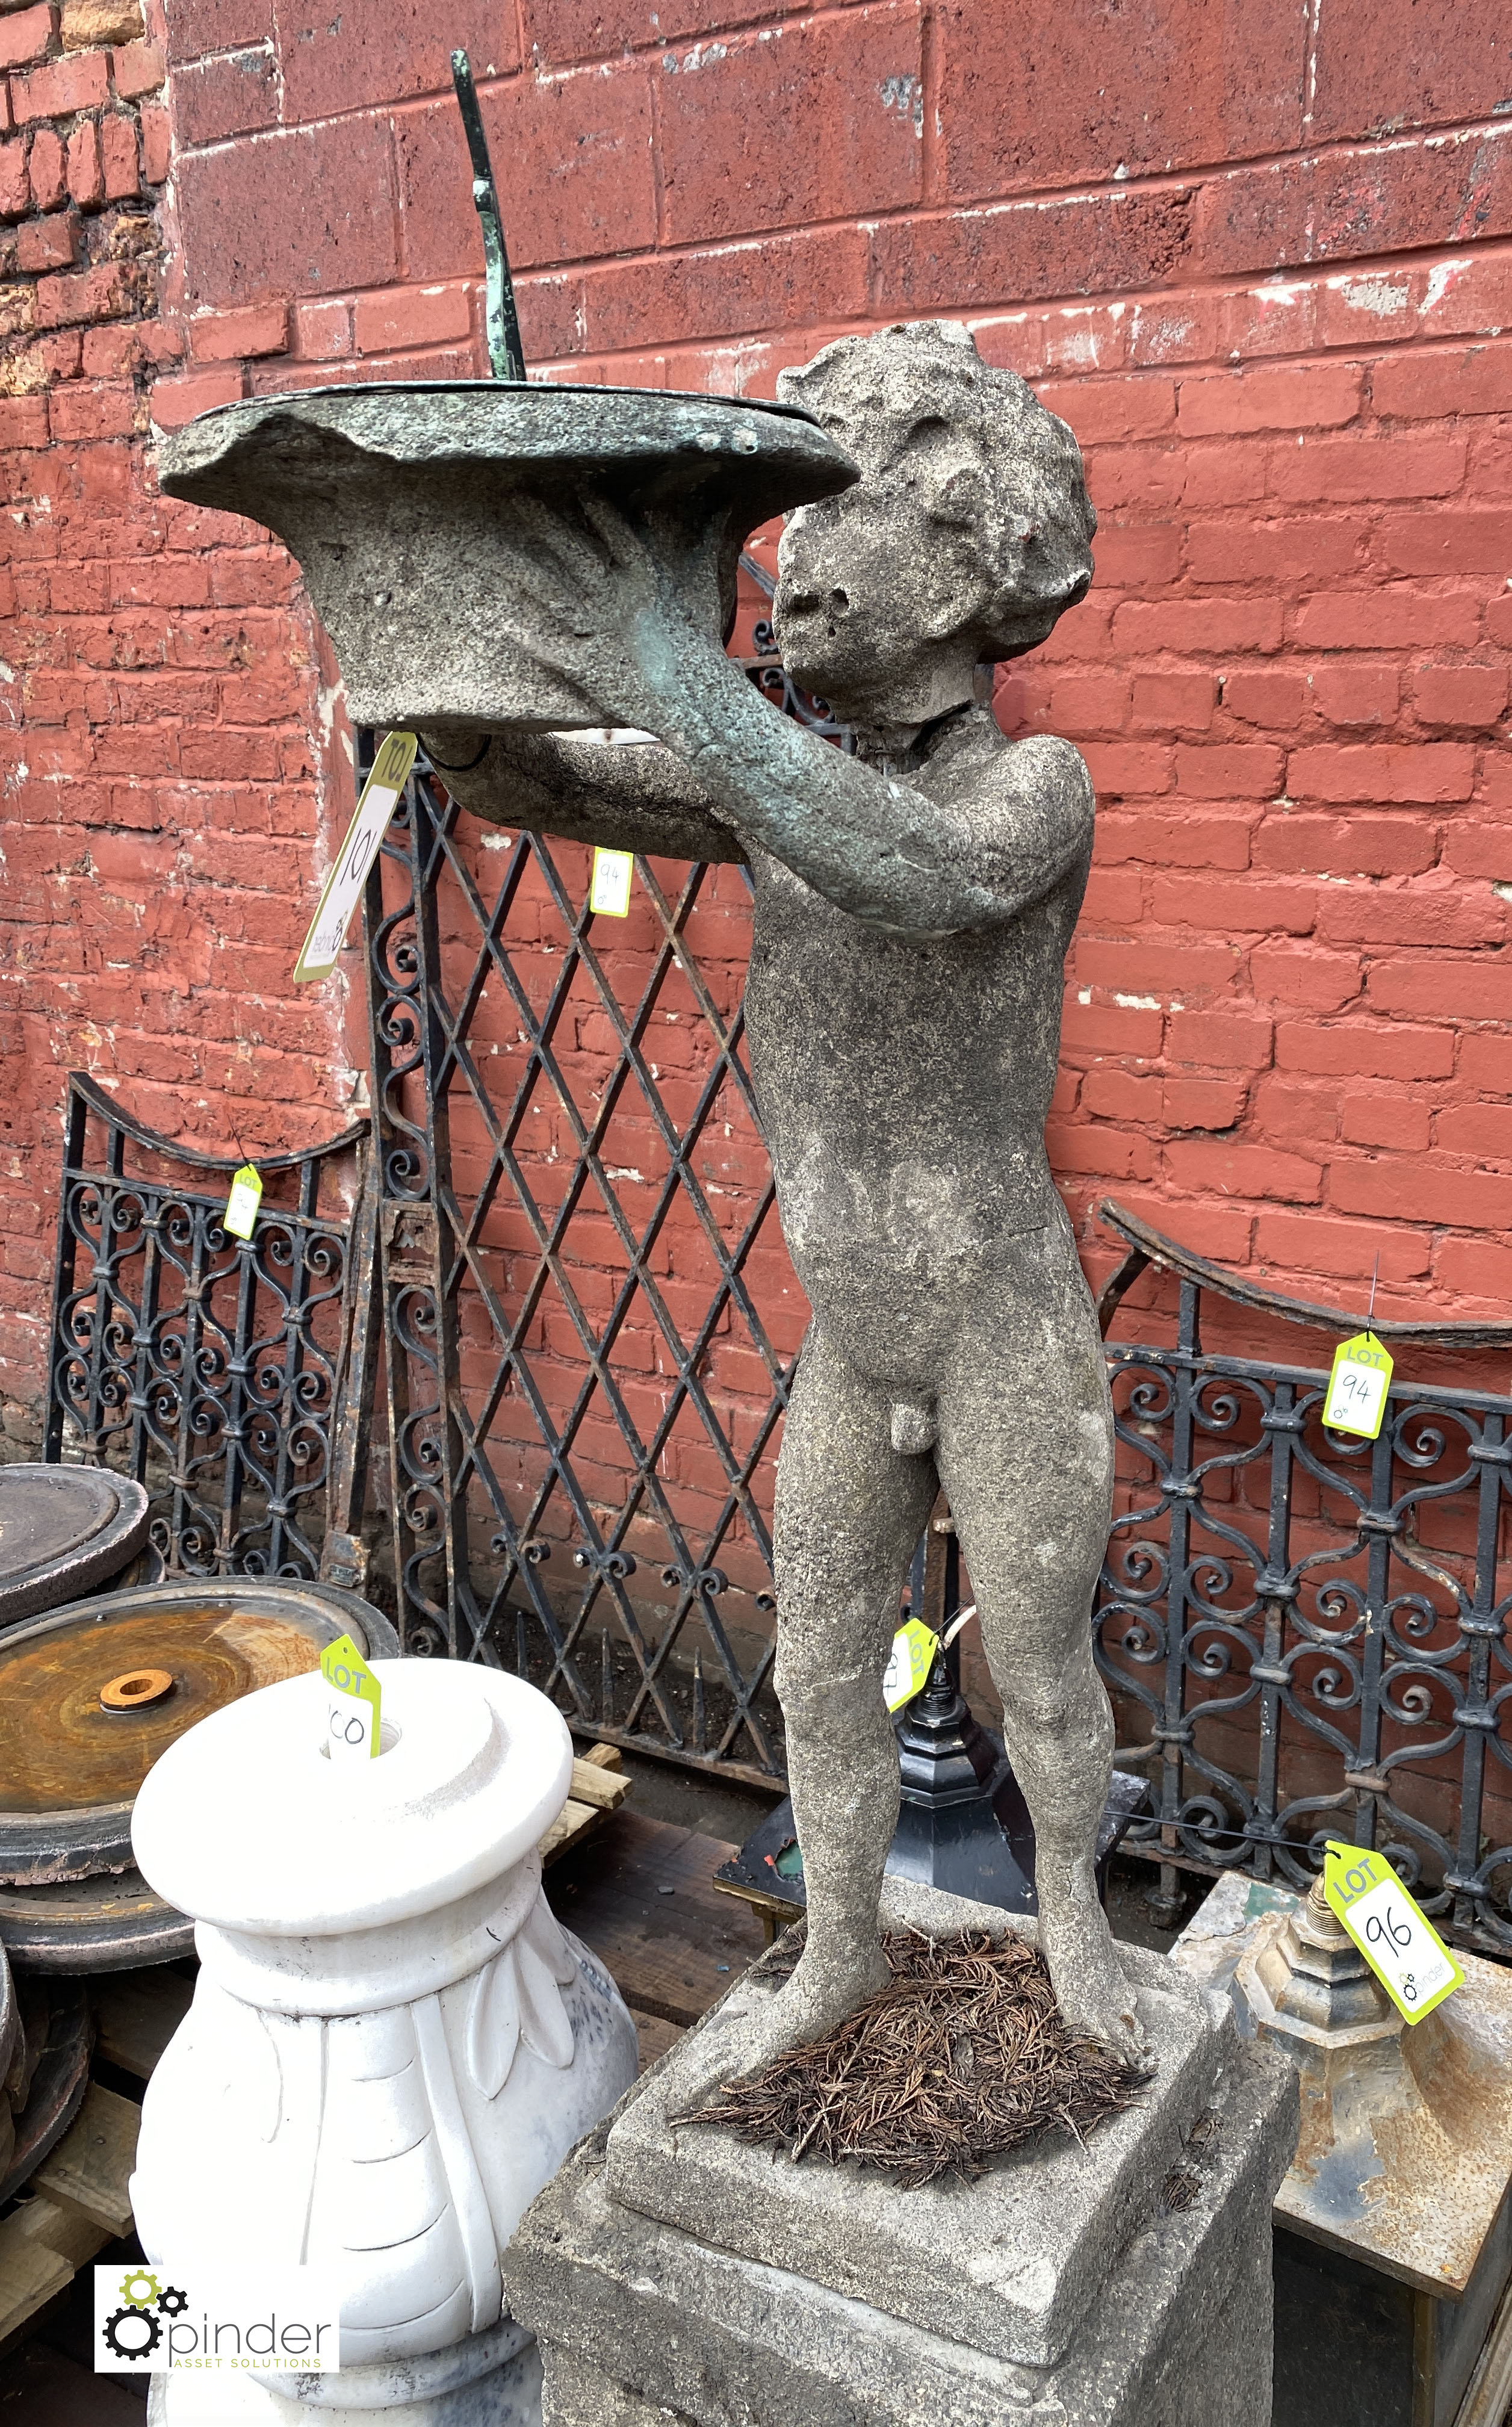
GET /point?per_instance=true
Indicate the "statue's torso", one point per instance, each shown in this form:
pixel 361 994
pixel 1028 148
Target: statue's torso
pixel 904 1086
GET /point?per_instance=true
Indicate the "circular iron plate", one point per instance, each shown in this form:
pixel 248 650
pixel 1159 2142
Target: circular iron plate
pixel 63 1529
pixel 113 1923
pixel 70 1769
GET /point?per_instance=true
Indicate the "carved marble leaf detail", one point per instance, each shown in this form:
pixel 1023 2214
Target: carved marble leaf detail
pixel 494 2024
pixel 518 1996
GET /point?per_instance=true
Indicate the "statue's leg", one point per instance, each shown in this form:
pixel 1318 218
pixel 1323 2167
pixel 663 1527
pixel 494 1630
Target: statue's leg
pixel 849 1512
pixel 1024 1455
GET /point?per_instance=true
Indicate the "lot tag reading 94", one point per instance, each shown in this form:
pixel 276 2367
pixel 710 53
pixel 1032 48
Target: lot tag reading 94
pixel 1356 1399
pixel 610 892
pixel 1403 1949
pixel 353 1702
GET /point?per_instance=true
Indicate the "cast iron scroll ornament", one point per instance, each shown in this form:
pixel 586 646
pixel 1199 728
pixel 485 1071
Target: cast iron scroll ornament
pixel 1339 1605
pixel 912 908
pixel 227 1375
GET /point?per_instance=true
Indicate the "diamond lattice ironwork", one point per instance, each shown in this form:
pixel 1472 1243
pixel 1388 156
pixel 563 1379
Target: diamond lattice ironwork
pixel 576 1195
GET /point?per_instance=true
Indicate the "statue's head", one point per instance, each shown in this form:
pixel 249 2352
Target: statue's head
pixel 966 535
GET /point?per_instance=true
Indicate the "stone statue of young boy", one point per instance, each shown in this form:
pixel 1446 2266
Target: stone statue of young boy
pixel 912 908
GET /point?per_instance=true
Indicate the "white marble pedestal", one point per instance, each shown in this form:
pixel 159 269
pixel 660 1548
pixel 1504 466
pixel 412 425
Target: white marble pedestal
pixel 392 2045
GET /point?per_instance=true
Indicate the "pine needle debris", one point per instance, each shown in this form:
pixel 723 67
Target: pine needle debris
pixel 964 2056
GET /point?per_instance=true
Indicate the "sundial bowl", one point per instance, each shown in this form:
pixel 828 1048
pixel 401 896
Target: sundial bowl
pixel 426 520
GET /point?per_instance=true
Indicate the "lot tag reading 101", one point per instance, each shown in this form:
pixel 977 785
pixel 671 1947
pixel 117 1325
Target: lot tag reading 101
pixel 1355 1400
pixel 354 1702
pixel 240 1217
pixel 610 892
pixel 328 928
pixel 1403 1949
pixel 914 1647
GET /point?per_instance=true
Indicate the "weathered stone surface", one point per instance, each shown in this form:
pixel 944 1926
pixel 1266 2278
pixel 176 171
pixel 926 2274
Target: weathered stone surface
pixel 578 2394
pixel 639 2322
pixel 440 529
pixel 1011 2265
pixel 914 903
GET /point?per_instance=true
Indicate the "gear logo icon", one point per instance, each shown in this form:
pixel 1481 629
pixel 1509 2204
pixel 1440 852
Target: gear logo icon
pixel 132 2292
pixel 173 2302
pixel 133 2333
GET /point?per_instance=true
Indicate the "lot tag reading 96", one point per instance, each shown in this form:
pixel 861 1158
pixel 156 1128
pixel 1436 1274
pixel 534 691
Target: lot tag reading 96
pixel 1403 1949
pixel 353 1702
pixel 1355 1400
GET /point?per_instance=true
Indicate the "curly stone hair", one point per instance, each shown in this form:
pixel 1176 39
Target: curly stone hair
pixel 990 458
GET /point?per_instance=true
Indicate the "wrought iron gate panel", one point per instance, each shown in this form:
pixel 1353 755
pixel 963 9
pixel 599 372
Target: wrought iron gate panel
pixel 550 1325
pixel 208 1367
pixel 1308 1631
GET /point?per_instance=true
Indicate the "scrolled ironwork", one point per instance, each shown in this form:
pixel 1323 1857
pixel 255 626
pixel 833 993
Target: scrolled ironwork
pixel 207 1367
pixel 1266 1570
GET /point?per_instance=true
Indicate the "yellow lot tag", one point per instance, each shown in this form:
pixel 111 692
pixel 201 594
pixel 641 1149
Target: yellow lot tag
pixel 1402 1947
pixel 328 928
pixel 1356 1401
pixel 354 1702
pixel 609 891
pixel 914 1647
pixel 240 1217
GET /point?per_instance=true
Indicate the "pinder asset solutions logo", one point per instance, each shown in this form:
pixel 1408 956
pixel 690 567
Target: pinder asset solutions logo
pixel 255 2321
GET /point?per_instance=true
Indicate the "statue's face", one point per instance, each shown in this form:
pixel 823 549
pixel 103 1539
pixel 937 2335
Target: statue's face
pixel 881 589
pixel 871 582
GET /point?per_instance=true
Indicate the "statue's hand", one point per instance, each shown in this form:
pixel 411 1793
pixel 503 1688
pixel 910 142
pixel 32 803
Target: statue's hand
pixel 603 614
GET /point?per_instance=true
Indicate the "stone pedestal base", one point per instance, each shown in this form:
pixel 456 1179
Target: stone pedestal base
pixel 1125 2284
pixel 491 2380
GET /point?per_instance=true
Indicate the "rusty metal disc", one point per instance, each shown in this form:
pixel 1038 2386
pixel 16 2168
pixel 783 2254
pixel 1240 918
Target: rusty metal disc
pixel 9 2049
pixel 69 1766
pixel 63 1530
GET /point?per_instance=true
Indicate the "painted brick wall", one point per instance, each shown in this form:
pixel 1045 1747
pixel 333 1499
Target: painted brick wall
pixel 1260 257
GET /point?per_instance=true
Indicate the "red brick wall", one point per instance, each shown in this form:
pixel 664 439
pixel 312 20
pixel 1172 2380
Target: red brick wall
pixel 1260 257
pixel 167 762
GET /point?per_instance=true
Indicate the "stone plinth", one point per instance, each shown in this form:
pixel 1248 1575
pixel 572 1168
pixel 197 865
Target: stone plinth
pixel 1117 2285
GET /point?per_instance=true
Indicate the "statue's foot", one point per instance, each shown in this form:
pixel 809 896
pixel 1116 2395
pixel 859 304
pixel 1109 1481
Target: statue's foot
pixel 752 2031
pixel 1096 2001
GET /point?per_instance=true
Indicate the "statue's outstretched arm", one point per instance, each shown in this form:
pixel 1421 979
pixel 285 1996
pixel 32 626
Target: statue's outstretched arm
pixel 635 796
pixel 873 843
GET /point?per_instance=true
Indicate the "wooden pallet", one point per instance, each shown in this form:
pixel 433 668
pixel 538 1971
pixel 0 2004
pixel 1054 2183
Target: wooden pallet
pixel 599 1786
